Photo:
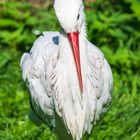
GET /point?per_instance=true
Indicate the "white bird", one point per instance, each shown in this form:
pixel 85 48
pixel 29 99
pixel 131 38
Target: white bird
pixel 69 79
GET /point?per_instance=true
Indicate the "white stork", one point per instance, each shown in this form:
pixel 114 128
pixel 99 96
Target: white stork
pixel 69 79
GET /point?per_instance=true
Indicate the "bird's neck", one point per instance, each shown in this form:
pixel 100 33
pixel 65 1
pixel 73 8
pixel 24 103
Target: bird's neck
pixel 65 45
pixel 66 54
pixel 83 34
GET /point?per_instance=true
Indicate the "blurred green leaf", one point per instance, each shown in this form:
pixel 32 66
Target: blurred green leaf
pixel 135 6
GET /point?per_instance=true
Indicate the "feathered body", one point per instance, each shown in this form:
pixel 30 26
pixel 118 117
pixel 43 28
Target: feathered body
pixel 55 96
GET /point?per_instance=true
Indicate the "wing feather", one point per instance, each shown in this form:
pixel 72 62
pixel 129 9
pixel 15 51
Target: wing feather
pixel 37 69
pixel 102 76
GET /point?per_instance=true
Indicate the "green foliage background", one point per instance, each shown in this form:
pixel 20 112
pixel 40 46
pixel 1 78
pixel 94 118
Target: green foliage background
pixel 113 25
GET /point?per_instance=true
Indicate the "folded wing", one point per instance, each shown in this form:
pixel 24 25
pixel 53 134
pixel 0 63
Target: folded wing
pixel 37 69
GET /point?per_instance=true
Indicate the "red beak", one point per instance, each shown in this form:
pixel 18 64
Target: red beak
pixel 74 40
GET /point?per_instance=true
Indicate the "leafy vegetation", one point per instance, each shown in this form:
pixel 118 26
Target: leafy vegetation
pixel 114 26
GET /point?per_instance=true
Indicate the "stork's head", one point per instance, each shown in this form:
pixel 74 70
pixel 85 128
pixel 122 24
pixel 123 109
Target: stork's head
pixel 70 14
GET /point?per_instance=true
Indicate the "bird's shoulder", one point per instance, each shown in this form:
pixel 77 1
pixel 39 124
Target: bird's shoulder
pixel 48 40
pixel 99 61
pixel 96 57
pixel 44 52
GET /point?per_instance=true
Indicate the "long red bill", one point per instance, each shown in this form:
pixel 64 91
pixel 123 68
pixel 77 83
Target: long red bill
pixel 74 40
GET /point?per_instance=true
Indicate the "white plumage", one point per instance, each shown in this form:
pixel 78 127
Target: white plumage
pixel 51 74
